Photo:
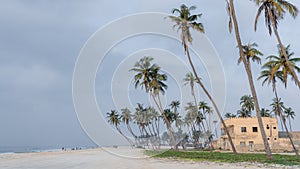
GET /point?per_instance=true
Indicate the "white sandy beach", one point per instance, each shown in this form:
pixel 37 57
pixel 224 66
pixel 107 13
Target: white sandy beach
pixel 127 158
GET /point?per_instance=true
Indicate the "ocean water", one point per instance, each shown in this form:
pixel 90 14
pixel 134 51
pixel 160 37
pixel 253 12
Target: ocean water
pixel 29 149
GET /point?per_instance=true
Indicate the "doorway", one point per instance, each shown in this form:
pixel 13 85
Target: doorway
pixel 251 146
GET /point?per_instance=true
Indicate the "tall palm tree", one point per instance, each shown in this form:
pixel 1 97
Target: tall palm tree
pixel 290 114
pixel 193 118
pixel 275 10
pixel 280 64
pixel 126 117
pixel 268 74
pixel 247 103
pixel 154 120
pixel 186 21
pixel 178 120
pixel 139 118
pixel 234 24
pixel 149 77
pixel 206 109
pixel 175 104
pixel 278 107
pixel 192 113
pixel 114 119
pixel 276 69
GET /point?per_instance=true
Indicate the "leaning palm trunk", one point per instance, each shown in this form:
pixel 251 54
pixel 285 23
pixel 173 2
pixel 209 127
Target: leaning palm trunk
pixel 130 141
pixel 250 79
pixel 284 123
pixel 210 98
pixel 289 135
pixel 283 50
pixel 169 127
pixel 131 132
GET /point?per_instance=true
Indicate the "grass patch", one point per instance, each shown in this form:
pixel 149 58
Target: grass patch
pixel 286 160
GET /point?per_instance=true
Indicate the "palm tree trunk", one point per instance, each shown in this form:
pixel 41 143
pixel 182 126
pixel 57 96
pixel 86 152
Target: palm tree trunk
pixel 131 132
pixel 158 104
pixel 210 98
pixel 141 132
pixel 288 133
pixel 260 122
pixel 150 131
pixel 144 129
pixel 130 142
pixel 278 113
pixel 153 129
pixel 194 96
pixel 284 51
pixel 285 126
pixel 290 123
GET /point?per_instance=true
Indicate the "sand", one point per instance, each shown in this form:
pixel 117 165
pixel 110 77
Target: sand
pixel 108 158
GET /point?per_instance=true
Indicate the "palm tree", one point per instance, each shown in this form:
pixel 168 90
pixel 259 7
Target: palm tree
pixel 274 11
pixel 139 118
pixel 154 120
pixel 175 105
pixel 247 103
pixel 185 21
pixel 206 109
pixel 276 69
pixel 270 75
pixel 280 64
pixel 114 119
pixel 251 53
pixel 233 23
pixel 191 114
pixel 265 112
pixel 277 108
pixel 193 118
pixel 190 79
pixel 244 113
pixel 126 117
pixel 177 118
pixel 290 114
pixel 149 77
pixel 169 115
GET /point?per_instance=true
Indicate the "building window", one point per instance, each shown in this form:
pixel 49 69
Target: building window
pixel 268 126
pixel 254 129
pixel 274 128
pixel 268 138
pixel 242 144
pixel 243 129
pixel 275 138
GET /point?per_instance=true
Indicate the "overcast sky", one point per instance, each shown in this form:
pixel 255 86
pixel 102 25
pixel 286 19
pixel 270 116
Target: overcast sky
pixel 40 41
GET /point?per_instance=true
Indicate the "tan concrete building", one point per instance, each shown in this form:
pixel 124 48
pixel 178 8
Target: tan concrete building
pixel 246 136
